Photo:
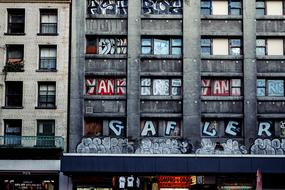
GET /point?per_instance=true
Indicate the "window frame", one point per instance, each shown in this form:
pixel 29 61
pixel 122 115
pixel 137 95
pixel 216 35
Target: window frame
pixel 231 7
pixel 15 12
pixel 231 87
pixel 208 46
pixel 170 42
pixel 15 47
pixel 261 46
pixel 16 95
pixel 48 59
pixel 92 45
pixel 45 104
pixel 117 86
pixel 48 12
pixel 266 87
pixel 232 46
pixel 12 138
pixel 263 8
pixel 206 7
pixel 170 88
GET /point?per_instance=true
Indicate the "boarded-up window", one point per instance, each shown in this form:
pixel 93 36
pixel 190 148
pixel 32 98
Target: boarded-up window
pixel 275 46
pixel 220 47
pixel 274 7
pixel 93 128
pixel 270 87
pixel 220 7
pixel 161 87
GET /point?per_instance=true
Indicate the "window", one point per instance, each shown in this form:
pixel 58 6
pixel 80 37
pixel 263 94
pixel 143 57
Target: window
pixel 221 128
pixel 48 23
pixel 13 129
pixel 260 8
pixel 235 7
pixel 221 7
pixel 108 7
pixel 206 7
pixel 45 133
pixel 106 46
pixel 16 21
pixel 47 58
pixel 105 86
pixel 161 128
pixel 269 7
pixel 172 7
pixel 15 54
pixel 160 87
pixel 269 47
pixel 47 94
pixel 161 46
pixel 221 46
pixel 221 87
pixel 270 87
pixel 14 94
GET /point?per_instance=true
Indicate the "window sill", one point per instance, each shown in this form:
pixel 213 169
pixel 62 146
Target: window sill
pixel 106 97
pixel 108 16
pixel 47 34
pixel 12 107
pixel 271 98
pixel 271 17
pixel 161 115
pixel 268 57
pixel 48 108
pixel 224 57
pixel 14 34
pixel 160 98
pixel 221 115
pixel 221 17
pixel 221 98
pixel 47 70
pixel 164 16
pixel 161 56
pixel 108 56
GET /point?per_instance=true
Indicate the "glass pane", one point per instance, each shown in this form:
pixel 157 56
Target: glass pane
pixel 235 51
pixel 260 82
pixel 176 91
pixel 275 88
pixel 235 11
pixel 145 91
pixel 206 51
pixel 236 83
pixel 235 42
pixel 43 88
pixel 260 12
pixel 235 4
pixel 260 51
pixel 206 3
pixel 160 87
pixel 146 42
pixel 176 42
pixel 49 18
pixel 176 82
pixel 146 50
pixel 161 47
pixel 205 42
pixel 260 42
pixel 145 82
pixel 260 92
pixel 176 51
pixel 260 4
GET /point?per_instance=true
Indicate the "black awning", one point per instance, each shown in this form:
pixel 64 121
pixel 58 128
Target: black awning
pixel 72 163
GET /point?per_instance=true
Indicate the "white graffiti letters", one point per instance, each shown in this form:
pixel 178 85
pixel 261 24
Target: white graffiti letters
pixel 162 7
pixel 264 129
pixel 207 131
pixel 103 7
pixel 169 127
pixel 117 127
pixel 232 128
pixel 148 128
pixel 112 46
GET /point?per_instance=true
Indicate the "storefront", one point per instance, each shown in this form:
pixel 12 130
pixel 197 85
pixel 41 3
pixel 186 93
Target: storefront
pixel 124 172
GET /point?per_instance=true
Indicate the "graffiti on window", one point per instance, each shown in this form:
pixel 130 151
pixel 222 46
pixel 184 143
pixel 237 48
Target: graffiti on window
pixel 221 87
pixel 161 46
pixel 94 128
pixel 112 46
pixel 270 87
pixel 103 7
pixel 162 7
pixel 105 86
pixel 232 128
pixel 153 128
pixel 116 128
pixel 161 87
pixel 265 129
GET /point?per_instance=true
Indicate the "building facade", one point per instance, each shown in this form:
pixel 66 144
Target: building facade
pixel 34 54
pixel 161 90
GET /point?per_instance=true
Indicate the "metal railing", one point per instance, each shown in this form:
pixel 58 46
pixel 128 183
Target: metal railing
pixel 13 141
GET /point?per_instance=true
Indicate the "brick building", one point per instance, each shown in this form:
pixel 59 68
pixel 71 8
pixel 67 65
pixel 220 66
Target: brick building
pixel 34 57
